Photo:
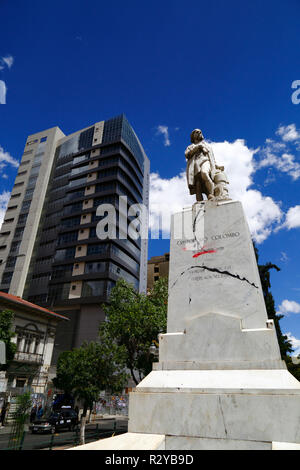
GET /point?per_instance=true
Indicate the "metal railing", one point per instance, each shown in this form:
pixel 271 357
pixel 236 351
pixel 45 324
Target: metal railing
pixel 28 357
pixel 64 440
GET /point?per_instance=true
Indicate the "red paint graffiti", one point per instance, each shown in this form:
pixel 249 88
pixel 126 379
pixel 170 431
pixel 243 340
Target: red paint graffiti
pixel 204 253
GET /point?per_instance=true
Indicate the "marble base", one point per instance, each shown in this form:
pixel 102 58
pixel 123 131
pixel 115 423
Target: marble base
pixel 220 382
pixel 243 405
pixel 127 441
pixel 136 441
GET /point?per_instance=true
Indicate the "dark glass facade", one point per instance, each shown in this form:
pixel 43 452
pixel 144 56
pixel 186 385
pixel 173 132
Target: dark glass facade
pixel 71 269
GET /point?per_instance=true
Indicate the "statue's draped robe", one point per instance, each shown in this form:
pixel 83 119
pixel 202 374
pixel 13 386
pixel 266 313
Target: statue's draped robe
pixel 195 159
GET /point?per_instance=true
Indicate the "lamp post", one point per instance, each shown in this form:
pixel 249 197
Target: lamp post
pixel 154 348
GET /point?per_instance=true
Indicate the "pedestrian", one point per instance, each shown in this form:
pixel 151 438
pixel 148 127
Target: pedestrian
pixel 40 412
pixel 33 413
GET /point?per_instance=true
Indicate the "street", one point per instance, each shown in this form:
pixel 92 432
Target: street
pixel 100 429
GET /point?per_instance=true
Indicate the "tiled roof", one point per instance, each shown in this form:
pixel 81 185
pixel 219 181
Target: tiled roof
pixel 18 301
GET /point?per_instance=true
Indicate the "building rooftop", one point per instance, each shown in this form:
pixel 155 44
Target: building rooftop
pixel 17 301
pixel 159 259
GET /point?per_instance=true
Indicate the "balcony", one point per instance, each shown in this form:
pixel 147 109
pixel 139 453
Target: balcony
pixel 28 357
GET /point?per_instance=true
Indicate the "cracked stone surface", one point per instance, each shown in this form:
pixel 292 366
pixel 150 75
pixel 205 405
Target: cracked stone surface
pixel 212 262
pixel 215 292
pixel 215 270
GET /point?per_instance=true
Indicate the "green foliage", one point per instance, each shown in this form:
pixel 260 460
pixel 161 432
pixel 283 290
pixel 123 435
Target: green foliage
pixel 6 333
pixel 134 320
pixel 87 370
pixel 20 417
pixel 284 343
pixel 23 408
pixel 264 272
pixel 293 368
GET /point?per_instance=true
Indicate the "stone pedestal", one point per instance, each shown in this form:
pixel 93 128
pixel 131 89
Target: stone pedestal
pixel 220 382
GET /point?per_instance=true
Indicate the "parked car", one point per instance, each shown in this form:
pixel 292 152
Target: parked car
pixel 54 421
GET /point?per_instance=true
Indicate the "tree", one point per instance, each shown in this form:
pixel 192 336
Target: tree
pixel 6 334
pixel 264 273
pixel 87 370
pixel 20 417
pixel 133 321
pixel 285 344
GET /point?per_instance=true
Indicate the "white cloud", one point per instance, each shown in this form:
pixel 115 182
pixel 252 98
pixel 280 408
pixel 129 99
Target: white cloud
pixel 6 158
pixel 288 306
pixel 171 195
pixel 284 256
pixel 281 154
pixel 164 130
pixel 284 162
pixel 8 60
pixel 288 133
pixel 167 196
pixel 3 90
pixel 292 219
pixel 4 198
pixel 295 343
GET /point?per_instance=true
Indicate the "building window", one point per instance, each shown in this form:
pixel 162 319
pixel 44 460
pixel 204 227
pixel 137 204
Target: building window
pixel 95 267
pixel 156 269
pixel 61 271
pixel 30 142
pixel 92 288
pixel 19 232
pixel 22 218
pixel 20 383
pixel 43 139
pixel 11 261
pixel 94 249
pixel 156 278
pixel 15 246
pixel 7 277
pixel 25 205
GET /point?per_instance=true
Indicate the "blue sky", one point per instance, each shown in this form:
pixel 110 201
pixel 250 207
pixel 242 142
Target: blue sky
pixel 226 67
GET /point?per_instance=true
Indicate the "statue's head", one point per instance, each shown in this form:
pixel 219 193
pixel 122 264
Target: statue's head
pixel 196 136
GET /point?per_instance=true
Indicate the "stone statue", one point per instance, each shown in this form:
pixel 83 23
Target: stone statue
pixel 204 176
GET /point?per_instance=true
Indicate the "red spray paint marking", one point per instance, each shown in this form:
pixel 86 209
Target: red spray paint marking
pixel 204 253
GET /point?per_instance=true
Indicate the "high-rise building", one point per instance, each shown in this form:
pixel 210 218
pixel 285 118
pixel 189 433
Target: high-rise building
pixel 49 249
